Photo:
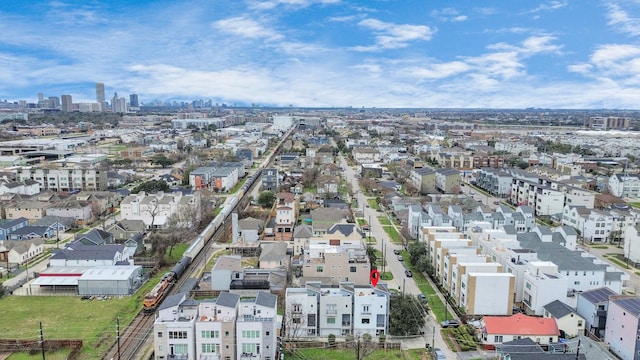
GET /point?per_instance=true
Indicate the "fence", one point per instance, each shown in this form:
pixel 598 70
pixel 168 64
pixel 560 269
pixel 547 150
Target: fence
pixel 34 346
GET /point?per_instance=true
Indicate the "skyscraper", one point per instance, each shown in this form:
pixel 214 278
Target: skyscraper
pixel 67 103
pixel 100 96
pixel 133 100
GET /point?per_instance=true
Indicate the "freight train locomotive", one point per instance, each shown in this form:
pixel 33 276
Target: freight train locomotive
pixel 154 297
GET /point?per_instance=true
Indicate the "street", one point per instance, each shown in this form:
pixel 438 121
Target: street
pixel 400 281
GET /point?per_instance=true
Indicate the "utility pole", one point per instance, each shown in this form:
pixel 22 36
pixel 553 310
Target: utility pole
pixel 118 335
pixel 42 341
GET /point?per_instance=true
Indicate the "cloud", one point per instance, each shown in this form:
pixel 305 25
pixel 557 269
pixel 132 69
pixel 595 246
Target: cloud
pixel 271 4
pixel 246 28
pixel 549 6
pixel 448 14
pixel 393 36
pixel 621 21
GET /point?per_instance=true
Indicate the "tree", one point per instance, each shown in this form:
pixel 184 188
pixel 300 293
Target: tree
pixel 266 199
pixel 363 345
pixel 151 187
pixel 162 160
pixel 416 250
pixel 182 224
pixel 331 339
pixel 406 315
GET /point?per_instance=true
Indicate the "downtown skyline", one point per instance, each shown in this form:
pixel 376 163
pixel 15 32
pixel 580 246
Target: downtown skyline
pixel 327 53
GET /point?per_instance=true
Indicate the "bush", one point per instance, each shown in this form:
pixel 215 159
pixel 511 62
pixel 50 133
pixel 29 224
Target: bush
pixel 332 340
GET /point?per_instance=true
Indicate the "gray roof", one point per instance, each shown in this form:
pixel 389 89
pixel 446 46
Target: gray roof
pixel 11 223
pixel 524 345
pixel 597 295
pixel 172 300
pixel 79 251
pixel 228 299
pixel 565 259
pixel 275 251
pixel 266 299
pixel 303 231
pixel 250 224
pixel 558 309
pixel 509 229
pixel 31 229
pixel 629 303
pixel 345 229
pixel 52 219
pixel 95 236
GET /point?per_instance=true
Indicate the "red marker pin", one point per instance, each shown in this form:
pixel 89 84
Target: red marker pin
pixel 374 277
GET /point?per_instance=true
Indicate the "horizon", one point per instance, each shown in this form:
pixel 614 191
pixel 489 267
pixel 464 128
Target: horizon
pixel 553 54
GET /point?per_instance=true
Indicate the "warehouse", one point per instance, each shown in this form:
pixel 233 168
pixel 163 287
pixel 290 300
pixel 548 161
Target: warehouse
pixel 110 280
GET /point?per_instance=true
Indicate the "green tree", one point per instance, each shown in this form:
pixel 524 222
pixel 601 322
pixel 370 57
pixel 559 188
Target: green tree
pixel 416 251
pixel 162 160
pixel 151 187
pixel 406 315
pixel 266 199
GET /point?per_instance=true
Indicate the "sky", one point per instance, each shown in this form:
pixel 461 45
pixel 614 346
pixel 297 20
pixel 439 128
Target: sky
pixel 560 54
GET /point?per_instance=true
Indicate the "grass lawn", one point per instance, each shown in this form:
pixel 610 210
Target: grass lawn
pixel 373 204
pixel 635 204
pixel 69 317
pixel 347 354
pixel 384 220
pixel 435 304
pixel 386 276
pixel 395 237
pixel 599 246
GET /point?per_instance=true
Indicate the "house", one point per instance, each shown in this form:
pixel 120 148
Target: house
pixel 216 318
pixel 20 252
pixel 80 210
pixel 9 226
pixel 248 230
pixel 324 218
pixel 301 234
pixel 527 349
pixel 57 224
pixel 170 179
pixel 328 184
pixel 33 210
pixel 95 237
pixel 592 306
pixel 77 254
pixel 223 271
pixel 286 215
pixel 126 229
pixel 273 256
pixel 623 326
pixel 32 232
pixel 499 329
pixel 567 318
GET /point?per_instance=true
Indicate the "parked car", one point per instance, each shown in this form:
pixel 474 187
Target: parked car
pixel 408 273
pixel 450 324
pixel 439 354
pixel 396 252
pixel 422 298
pixel 400 258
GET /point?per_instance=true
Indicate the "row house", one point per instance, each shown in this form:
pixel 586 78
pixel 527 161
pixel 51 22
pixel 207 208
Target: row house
pixel 625 185
pixel 594 225
pixel 20 252
pixel 221 177
pixel 27 187
pixel 136 153
pixel 365 155
pixel 448 180
pixel 319 311
pixel 8 226
pixel 228 327
pixel 542 198
pixel 65 179
pixel 270 179
pixel 494 181
pixel 488 161
pixel 424 179
pixel 286 214
pixel 455 160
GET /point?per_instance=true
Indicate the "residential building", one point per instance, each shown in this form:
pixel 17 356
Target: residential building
pixel 270 180
pixel 625 185
pixel 494 181
pixel 567 318
pixel 623 326
pixel 499 329
pixel 286 214
pixel 424 179
pixel 65 179
pixel 19 252
pixel 592 305
pixel 155 210
pixel 487 293
pixel 448 180
pixel 9 225
pixel 33 210
pixel 216 327
pixel 256 327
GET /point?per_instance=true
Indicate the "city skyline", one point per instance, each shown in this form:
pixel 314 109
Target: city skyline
pixel 327 53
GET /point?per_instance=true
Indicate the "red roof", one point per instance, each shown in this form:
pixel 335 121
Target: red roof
pixel 520 324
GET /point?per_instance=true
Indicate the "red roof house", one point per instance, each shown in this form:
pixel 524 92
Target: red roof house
pixel 500 329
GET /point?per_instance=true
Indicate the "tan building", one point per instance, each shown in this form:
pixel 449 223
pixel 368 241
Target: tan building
pixel 339 255
pixel 32 210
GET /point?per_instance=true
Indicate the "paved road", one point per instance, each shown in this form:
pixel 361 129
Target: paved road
pixel 400 282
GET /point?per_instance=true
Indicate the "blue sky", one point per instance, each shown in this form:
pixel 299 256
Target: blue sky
pixel 318 53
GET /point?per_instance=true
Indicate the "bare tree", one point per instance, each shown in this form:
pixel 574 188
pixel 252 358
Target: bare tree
pixel 362 345
pixel 295 321
pixel 182 225
pixel 99 212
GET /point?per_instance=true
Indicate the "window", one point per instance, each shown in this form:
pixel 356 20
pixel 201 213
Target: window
pixel 210 348
pixel 528 286
pixel 365 321
pixel 210 334
pixel 580 324
pixel 250 334
pixel 180 348
pixel 250 348
pixel 497 339
pixel 319 268
pixel 352 269
pixel 365 308
pixel 226 333
pixel 177 334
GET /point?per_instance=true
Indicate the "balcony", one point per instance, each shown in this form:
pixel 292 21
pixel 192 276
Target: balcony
pixel 178 357
pixel 332 311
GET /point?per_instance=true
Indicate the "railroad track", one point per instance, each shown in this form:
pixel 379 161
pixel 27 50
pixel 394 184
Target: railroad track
pixel 132 338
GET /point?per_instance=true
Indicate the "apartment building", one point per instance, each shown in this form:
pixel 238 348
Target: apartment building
pixel 338 256
pixel 542 285
pixel 448 180
pixel 494 181
pixel 65 179
pixel 256 326
pixel 625 185
pixel 156 210
pixel 424 179
pixel 487 292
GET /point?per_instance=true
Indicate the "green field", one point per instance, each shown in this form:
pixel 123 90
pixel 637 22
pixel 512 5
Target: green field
pixel 69 317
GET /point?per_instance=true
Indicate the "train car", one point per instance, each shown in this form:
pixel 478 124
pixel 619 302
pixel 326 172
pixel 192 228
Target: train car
pixel 154 297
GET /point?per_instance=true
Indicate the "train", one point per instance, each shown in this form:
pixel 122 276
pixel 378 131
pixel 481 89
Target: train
pixel 154 297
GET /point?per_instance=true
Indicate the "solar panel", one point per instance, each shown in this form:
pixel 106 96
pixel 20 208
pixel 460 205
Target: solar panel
pixel 631 304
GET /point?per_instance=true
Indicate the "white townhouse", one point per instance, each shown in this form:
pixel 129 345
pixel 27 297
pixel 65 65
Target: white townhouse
pixel 625 185
pixel 321 310
pixel 542 285
pixel 174 328
pixel 155 210
pixel 256 326
pixel 216 327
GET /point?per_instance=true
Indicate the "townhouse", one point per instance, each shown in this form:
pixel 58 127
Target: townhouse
pixel 65 179
pixel 228 327
pixel 321 310
pixel 155 210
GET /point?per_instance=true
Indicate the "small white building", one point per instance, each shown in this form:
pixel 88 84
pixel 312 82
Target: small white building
pixel 110 280
pixel 542 285
pixel 567 318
